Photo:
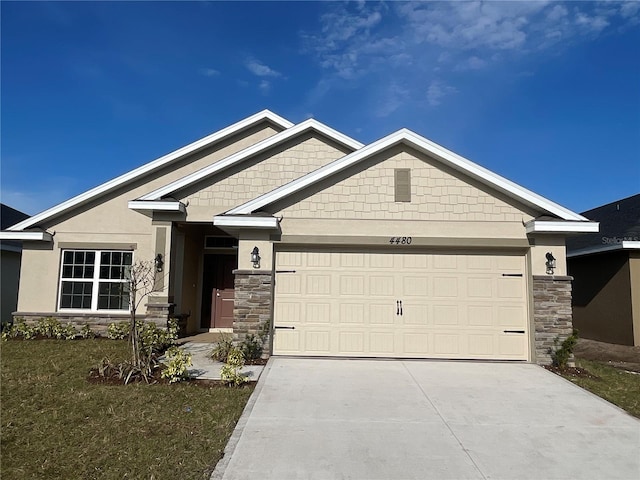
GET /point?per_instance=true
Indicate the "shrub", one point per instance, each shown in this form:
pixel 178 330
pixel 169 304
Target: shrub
pixel 251 347
pixel 118 330
pixel 25 331
pixel 222 349
pixel 86 332
pixel 230 371
pixel 175 365
pixel 562 355
pixel 48 327
pixel 66 332
pixel 127 371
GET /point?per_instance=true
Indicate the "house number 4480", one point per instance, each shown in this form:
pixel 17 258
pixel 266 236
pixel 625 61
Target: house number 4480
pixel 400 240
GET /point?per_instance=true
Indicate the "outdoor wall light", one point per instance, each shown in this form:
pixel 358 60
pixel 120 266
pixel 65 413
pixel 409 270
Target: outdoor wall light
pixel 255 257
pixel 551 263
pixel 159 263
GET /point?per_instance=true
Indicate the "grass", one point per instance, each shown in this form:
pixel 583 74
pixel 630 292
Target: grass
pixel 614 385
pixel 57 425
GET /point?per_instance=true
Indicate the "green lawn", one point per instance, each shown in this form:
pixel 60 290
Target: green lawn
pixel 614 385
pixel 57 425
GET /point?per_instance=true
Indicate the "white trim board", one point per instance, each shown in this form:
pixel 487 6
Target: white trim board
pixel 245 221
pixel 26 236
pixel 270 142
pixel 160 206
pixel 153 165
pixel 427 147
pixel 542 226
pixel 624 245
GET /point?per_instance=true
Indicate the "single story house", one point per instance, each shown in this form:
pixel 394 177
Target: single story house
pixel 10 255
pixel 399 248
pixel 606 271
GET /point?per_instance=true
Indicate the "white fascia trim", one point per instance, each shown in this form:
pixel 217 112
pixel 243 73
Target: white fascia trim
pixel 159 206
pixel 259 147
pixel 28 236
pixel 542 226
pixel 425 146
pixel 229 221
pixel 625 245
pixel 154 165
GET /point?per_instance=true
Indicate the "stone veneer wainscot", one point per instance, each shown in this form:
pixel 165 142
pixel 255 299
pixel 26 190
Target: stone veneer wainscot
pixel 552 314
pixel 252 304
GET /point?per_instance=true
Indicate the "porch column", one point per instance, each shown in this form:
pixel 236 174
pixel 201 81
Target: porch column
pixel 552 314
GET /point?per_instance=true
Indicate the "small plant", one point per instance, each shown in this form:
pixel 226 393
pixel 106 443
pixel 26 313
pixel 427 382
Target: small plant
pixel 175 365
pixel 66 332
pixel 222 349
pixel 230 371
pixel 126 371
pixel 251 347
pixel 25 331
pixel 86 332
pixel 562 354
pixel 118 330
pixel 48 327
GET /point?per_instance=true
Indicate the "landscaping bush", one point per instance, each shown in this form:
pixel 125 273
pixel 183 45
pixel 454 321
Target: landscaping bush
pixel 118 330
pixel 230 371
pixel 222 349
pixel 251 347
pixel 175 365
pixel 562 355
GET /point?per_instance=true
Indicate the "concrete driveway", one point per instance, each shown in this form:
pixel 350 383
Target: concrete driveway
pixel 385 419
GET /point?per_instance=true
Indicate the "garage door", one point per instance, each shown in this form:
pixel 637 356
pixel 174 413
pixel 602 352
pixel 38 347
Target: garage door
pixel 330 303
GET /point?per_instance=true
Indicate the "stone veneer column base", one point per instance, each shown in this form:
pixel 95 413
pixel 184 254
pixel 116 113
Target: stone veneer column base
pixel 552 315
pixel 252 305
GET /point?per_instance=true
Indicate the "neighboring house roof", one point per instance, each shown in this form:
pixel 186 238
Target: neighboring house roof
pixel 10 216
pixel 270 142
pixel 619 228
pixel 429 148
pixel 156 164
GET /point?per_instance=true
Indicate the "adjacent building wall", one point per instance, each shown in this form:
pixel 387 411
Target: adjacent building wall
pixel 602 297
pixel 9 277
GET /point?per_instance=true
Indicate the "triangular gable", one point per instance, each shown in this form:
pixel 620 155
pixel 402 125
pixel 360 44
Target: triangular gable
pixel 302 128
pixel 421 144
pixel 152 166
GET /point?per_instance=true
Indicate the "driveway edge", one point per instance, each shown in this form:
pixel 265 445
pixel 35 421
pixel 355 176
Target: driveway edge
pixel 221 466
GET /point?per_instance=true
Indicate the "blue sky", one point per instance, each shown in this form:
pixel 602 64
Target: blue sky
pixel 546 94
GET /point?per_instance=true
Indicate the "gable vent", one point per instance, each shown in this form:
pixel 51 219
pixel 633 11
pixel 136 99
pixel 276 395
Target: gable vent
pixel 402 182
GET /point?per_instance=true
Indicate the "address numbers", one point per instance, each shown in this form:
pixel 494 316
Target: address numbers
pixel 400 241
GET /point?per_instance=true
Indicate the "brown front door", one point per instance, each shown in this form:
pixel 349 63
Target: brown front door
pixel 218 290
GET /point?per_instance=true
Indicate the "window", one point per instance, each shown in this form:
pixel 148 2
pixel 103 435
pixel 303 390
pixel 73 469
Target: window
pixel 402 183
pixel 95 280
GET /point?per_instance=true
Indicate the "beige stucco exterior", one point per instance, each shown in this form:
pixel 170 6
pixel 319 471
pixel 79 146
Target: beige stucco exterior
pixel 450 217
pixel 109 220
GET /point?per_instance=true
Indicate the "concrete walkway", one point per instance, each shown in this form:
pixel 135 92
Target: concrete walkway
pixel 375 419
pixel 204 368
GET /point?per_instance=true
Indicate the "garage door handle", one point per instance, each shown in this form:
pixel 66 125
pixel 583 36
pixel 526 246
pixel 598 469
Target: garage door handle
pixel 285 328
pixel 514 331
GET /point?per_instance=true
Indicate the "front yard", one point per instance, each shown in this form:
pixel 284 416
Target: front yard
pixel 57 425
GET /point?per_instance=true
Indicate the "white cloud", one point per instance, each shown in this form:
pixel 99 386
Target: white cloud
pixel 265 86
pixel 437 91
pixel 209 72
pixel 592 24
pixel 430 42
pixel 471 63
pixel 392 99
pixel 260 69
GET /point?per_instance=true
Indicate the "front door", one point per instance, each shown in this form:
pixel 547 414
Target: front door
pixel 218 291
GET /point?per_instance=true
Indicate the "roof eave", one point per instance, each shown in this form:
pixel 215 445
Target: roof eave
pixel 153 165
pixel 26 236
pixel 157 206
pixel 561 227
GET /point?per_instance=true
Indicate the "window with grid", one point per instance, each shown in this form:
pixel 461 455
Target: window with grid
pixel 95 280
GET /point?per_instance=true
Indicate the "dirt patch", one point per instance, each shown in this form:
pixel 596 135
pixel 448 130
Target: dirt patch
pixel 575 372
pixel 624 357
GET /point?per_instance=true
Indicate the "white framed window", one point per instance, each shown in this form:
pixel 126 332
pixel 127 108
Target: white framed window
pixel 95 280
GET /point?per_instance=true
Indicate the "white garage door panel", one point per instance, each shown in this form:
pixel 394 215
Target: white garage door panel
pixel 401 305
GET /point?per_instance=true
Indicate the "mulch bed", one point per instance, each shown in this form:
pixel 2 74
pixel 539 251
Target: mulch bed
pixel 571 372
